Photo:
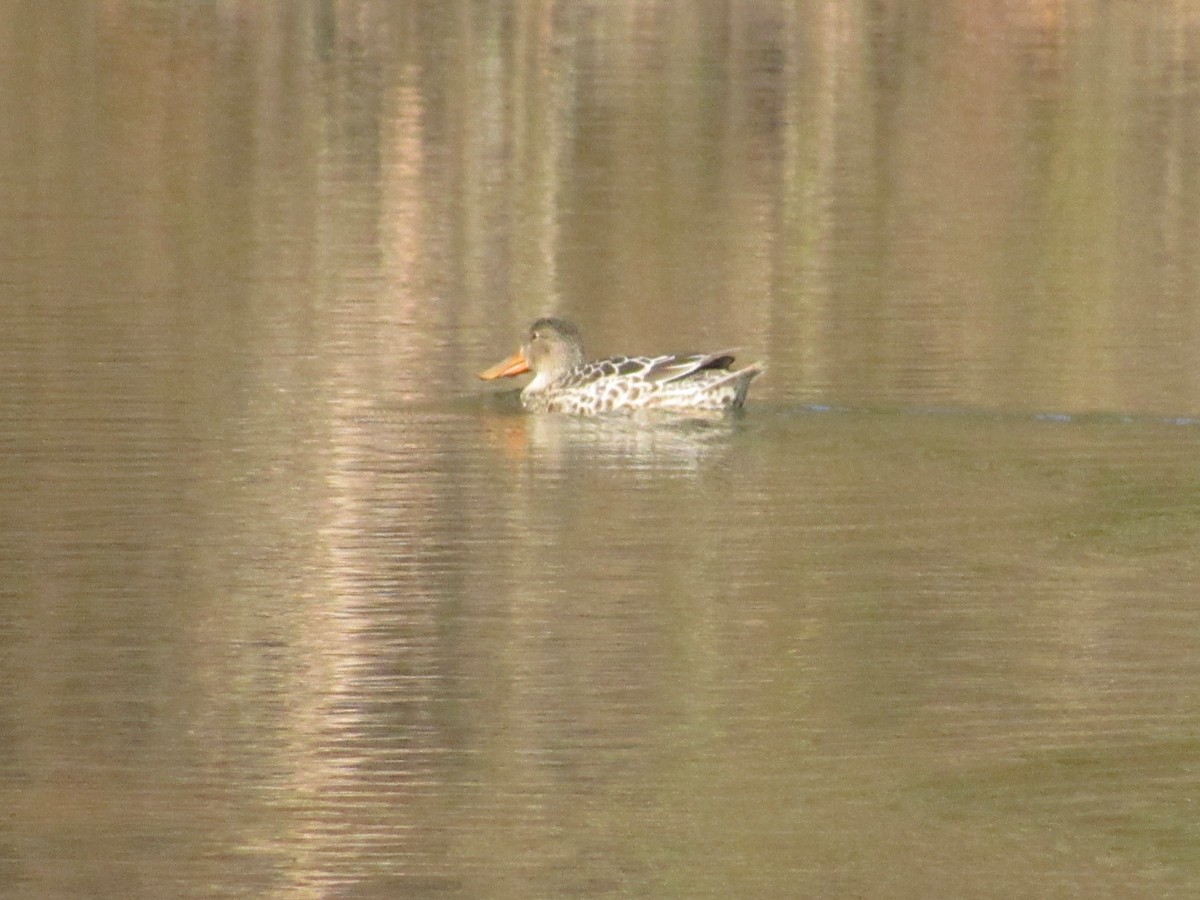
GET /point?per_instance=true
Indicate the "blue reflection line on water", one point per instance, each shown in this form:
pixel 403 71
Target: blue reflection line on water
pixel 1088 418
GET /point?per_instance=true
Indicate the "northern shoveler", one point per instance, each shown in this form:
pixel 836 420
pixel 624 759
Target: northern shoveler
pixel 564 381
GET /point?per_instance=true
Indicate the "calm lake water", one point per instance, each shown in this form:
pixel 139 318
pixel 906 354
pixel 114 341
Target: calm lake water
pixel 293 606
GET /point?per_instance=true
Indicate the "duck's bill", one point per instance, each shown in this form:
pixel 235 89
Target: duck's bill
pixel 514 365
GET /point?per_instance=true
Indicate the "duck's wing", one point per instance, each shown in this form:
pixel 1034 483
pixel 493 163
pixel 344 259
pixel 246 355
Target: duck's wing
pixel 646 369
pixel 589 373
pixel 662 369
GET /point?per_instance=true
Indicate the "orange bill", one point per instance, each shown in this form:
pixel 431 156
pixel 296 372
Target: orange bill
pixel 514 365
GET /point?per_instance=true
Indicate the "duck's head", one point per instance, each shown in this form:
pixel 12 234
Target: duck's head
pixel 552 348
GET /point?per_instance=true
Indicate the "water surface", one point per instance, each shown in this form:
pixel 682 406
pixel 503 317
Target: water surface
pixel 293 606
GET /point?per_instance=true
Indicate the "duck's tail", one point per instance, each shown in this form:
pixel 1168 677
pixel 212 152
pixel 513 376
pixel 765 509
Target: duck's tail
pixel 740 380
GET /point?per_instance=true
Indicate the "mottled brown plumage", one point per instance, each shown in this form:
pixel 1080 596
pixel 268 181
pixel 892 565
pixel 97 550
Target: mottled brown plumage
pixel 564 381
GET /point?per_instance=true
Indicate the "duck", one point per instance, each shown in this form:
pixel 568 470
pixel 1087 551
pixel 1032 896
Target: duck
pixel 565 381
